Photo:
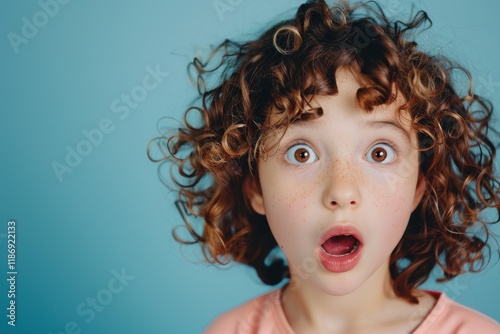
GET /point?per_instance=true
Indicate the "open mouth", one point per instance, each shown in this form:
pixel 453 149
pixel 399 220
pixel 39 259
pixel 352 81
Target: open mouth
pixel 341 245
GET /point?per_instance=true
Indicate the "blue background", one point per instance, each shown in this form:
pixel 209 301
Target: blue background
pixel 111 212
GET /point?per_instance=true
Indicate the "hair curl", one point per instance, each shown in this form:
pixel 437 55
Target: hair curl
pixel 278 73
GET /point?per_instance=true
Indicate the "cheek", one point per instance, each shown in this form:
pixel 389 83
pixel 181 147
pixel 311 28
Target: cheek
pixel 286 196
pixel 393 218
pixel 390 220
pixel 393 204
pixel 289 212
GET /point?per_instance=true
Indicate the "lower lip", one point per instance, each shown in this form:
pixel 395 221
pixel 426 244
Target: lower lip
pixel 339 264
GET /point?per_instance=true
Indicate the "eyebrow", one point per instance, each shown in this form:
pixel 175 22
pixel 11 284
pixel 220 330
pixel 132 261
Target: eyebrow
pixel 389 124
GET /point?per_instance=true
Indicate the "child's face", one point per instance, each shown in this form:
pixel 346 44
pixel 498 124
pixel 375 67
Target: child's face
pixel 347 172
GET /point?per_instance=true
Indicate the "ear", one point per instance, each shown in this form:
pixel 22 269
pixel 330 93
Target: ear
pixel 419 191
pixel 253 193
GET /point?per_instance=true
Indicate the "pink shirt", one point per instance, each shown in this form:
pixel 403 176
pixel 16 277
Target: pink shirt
pixel 264 315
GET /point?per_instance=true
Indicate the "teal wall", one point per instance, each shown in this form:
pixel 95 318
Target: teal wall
pixel 94 249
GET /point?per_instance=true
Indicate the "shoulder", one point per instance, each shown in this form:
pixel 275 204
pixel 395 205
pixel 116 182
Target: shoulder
pixel 448 316
pixel 260 315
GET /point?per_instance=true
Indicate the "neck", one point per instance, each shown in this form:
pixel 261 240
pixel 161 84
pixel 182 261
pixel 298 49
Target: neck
pixel 306 305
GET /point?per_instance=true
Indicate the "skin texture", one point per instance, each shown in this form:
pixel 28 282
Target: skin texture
pixel 348 167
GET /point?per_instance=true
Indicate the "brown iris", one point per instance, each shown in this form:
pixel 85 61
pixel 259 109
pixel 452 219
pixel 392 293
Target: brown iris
pixel 379 154
pixel 302 155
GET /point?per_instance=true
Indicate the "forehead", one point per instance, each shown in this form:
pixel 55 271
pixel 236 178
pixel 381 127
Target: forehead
pixel 345 113
pixel 346 101
pixel 347 105
pixel 321 111
pixel 347 84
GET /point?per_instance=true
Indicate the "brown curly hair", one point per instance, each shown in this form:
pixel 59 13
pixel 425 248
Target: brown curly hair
pixel 214 161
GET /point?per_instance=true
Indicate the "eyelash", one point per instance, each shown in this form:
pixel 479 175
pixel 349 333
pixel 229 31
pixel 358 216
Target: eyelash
pixel 389 143
pixel 296 143
pixel 393 145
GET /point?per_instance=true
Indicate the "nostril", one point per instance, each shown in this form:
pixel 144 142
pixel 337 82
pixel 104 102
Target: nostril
pixel 338 204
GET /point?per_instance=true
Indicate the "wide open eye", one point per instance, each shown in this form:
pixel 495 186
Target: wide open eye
pixel 381 153
pixel 301 154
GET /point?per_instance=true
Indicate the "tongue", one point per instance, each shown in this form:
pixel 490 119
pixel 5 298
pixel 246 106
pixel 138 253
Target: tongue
pixel 339 245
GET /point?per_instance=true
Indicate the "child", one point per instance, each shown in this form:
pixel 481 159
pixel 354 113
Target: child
pixel 334 138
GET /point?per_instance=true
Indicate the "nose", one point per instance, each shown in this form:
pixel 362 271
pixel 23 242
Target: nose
pixel 341 187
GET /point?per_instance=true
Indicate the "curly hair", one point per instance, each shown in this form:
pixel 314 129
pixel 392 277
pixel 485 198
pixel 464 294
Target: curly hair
pixel 215 160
